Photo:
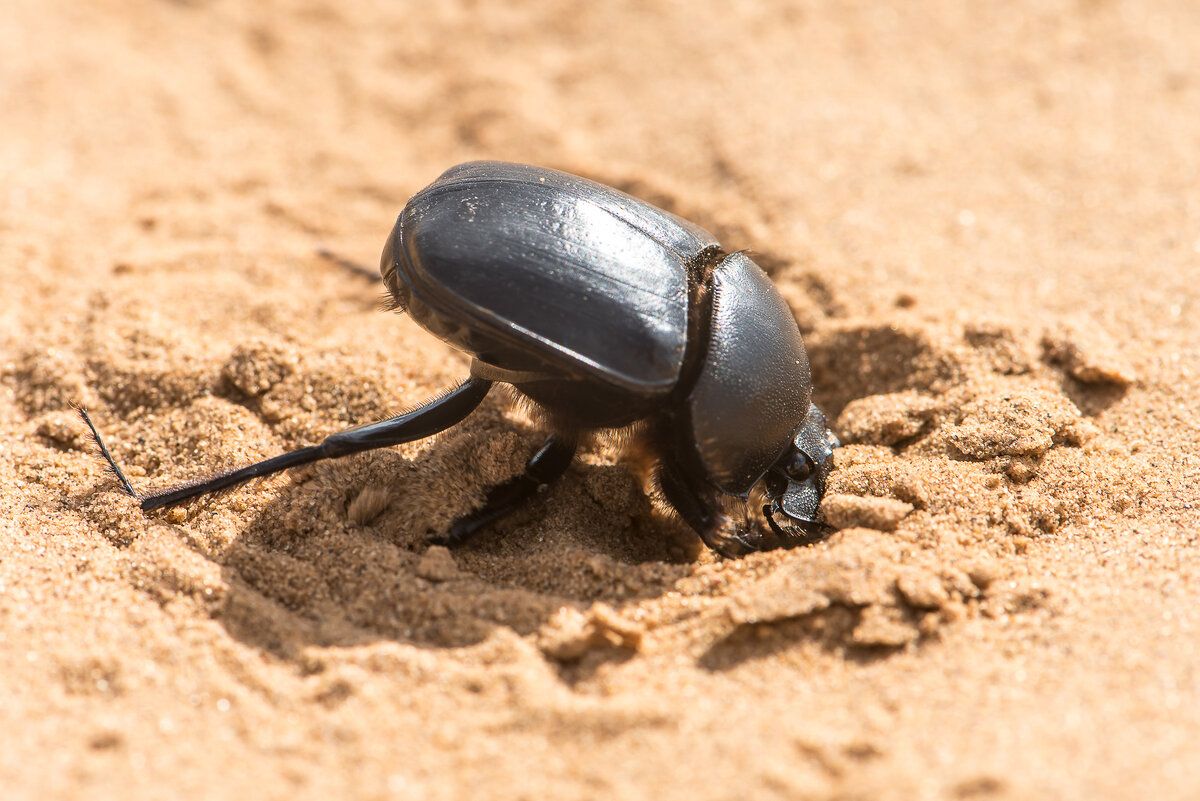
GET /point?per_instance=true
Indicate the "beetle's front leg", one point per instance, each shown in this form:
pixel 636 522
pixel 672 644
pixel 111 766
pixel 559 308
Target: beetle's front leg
pixel 700 508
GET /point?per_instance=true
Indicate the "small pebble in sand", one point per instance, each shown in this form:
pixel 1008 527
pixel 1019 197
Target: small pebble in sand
pixel 922 590
pixel 1087 354
pixel 570 633
pixel 984 572
pixel 437 564
pixel 256 366
pixel 880 628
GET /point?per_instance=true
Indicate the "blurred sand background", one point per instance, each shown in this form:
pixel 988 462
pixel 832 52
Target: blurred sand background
pixel 986 217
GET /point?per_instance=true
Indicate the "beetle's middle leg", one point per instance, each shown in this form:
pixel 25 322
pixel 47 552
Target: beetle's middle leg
pixel 544 467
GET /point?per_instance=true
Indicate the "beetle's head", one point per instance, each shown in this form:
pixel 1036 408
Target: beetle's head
pixel 795 483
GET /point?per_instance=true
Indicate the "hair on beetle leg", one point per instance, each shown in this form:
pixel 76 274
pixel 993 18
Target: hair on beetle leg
pixel 741 515
pixel 755 502
pixel 662 506
pixel 523 406
pixel 390 303
pixel 102 452
pixel 631 441
pixel 368 504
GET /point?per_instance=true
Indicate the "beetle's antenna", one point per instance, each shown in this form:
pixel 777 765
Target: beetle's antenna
pixel 112 464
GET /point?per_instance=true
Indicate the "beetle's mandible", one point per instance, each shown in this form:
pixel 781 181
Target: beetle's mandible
pixel 605 312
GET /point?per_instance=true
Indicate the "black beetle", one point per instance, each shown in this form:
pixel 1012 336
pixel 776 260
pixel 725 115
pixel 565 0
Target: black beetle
pixel 605 312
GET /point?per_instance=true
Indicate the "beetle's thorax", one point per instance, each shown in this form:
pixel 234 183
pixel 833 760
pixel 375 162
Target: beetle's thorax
pixel 752 390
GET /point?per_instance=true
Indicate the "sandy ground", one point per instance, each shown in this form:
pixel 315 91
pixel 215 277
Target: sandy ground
pixel 987 220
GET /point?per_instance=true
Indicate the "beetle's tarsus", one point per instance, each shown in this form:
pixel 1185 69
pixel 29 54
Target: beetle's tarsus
pixel 104 454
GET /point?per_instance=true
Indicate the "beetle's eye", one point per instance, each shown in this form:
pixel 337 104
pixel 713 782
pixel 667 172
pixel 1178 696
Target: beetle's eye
pixel 799 467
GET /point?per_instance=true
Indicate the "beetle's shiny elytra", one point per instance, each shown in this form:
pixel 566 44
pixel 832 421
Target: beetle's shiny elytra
pixel 605 312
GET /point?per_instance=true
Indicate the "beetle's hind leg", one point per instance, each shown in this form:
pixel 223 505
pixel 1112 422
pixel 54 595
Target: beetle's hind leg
pixel 543 468
pixel 424 421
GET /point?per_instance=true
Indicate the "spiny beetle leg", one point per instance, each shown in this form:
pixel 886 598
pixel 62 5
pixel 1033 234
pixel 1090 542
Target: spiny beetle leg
pixel 100 446
pixel 424 421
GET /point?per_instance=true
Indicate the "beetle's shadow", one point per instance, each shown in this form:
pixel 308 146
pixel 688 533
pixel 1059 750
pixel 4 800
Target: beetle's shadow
pixel 304 573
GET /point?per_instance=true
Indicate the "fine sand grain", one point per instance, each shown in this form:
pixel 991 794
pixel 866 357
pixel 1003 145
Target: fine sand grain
pixel 986 217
